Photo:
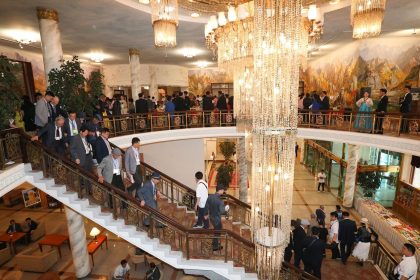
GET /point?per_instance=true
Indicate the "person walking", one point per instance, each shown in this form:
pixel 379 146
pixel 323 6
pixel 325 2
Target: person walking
pixel 52 136
pixel 313 251
pixel 299 235
pixel 109 170
pixel 102 147
pixel 407 268
pixel 216 208
pixel 202 193
pixel 346 236
pixel 405 107
pixel 333 236
pixel 321 180
pixel 320 215
pixel 149 195
pixel 363 239
pixel 132 166
pixel 43 110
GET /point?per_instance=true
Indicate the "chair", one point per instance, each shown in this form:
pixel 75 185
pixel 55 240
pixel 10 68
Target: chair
pixel 136 259
pixel 5 255
pixel 34 260
pixel 38 232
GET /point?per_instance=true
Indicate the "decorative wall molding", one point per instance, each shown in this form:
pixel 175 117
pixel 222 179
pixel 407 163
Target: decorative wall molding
pixel 11 177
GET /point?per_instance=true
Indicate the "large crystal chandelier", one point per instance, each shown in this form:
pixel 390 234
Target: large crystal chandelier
pixel 165 22
pixel 274 126
pixel 367 17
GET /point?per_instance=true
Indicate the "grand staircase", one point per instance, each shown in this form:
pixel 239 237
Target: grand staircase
pixel 169 237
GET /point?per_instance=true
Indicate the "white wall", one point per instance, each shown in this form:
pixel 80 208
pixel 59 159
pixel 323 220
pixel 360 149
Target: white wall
pixel 178 159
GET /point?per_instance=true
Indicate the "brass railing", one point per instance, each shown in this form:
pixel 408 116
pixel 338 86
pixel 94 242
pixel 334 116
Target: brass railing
pixel 381 256
pixel 391 123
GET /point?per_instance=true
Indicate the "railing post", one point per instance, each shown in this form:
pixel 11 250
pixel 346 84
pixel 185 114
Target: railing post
pixel 23 151
pixel 351 122
pixel 187 243
pixel 400 122
pixel 45 165
pixel 204 118
pixel 373 123
pixel 169 121
pixel 220 118
pixel 151 121
pixel 114 204
pixel 172 191
pixel 186 119
pixel 226 247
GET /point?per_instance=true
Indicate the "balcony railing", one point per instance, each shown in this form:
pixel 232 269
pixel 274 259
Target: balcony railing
pixel 393 124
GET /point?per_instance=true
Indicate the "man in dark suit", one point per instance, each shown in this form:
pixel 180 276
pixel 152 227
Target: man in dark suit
pixel 299 235
pixel 179 102
pixel 102 147
pixel 381 110
pixel 320 215
pixel 324 105
pixel 28 227
pixel 187 101
pixel 52 136
pixel 81 150
pixel 14 227
pixel 405 107
pixel 207 106
pixel 141 105
pixel 346 235
pixel 149 194
pixel 221 102
pixel 56 108
pixel 313 251
pixel 71 126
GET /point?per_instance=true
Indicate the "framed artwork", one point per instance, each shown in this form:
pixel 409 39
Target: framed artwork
pixel 31 197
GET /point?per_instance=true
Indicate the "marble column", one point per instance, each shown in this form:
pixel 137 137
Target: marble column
pixel 351 172
pixel 134 58
pixel 242 169
pixel 52 52
pixel 77 236
pixel 153 86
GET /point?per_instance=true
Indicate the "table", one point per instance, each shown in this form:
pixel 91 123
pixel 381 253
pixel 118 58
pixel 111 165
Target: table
pixel 95 244
pixel 54 240
pixel 384 222
pixel 11 239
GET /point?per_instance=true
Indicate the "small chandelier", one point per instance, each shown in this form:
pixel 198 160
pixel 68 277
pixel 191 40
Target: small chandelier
pixel 165 22
pixel 367 17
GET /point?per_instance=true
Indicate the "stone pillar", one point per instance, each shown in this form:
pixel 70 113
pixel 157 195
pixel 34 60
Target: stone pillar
pixel 351 172
pixel 77 236
pixel 134 58
pixel 52 51
pixel 153 86
pixel 242 169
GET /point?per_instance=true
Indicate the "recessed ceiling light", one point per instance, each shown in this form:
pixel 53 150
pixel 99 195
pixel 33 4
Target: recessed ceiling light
pixel 202 63
pixel 22 37
pixel 189 52
pixel 144 2
pixel 195 15
pixel 97 56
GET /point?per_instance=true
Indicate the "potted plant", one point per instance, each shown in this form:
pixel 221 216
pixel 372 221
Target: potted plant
pixel 369 182
pixel 225 171
pixel 9 87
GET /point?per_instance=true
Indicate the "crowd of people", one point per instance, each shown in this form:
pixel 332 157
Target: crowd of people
pixel 319 104
pixel 310 239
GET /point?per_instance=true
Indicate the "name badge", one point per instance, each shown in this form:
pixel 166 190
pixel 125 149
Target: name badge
pixel 75 132
pixel 116 171
pixel 137 161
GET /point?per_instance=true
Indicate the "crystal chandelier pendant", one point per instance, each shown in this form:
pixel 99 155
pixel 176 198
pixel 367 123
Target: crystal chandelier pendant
pixel 367 17
pixel 276 52
pixel 165 22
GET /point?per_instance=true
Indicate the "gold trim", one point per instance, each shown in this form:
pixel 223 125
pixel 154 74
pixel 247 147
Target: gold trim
pixel 133 51
pixel 45 13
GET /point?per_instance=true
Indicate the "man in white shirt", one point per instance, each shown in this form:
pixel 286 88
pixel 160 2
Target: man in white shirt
pixel 407 268
pixel 321 179
pixel 121 272
pixel 333 236
pixel 202 194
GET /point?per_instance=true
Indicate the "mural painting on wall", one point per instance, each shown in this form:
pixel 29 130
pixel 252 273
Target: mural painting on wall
pixel 359 65
pixel 200 80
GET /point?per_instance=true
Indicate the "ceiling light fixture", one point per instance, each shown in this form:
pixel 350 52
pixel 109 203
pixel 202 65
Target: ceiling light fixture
pixel 190 52
pixel 23 37
pixel 202 63
pixel 145 2
pixel 97 57
pixel 195 15
pixel 367 17
pixel 165 22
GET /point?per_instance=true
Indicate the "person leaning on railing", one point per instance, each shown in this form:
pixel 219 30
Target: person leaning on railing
pixel 407 268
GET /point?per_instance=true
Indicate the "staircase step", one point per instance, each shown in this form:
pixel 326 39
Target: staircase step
pixel 49 182
pixel 27 167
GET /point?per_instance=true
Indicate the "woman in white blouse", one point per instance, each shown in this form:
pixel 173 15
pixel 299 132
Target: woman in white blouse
pixel 124 105
pixel 363 119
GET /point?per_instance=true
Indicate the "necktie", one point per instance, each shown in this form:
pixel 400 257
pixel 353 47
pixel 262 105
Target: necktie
pixel 57 133
pixel 73 127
